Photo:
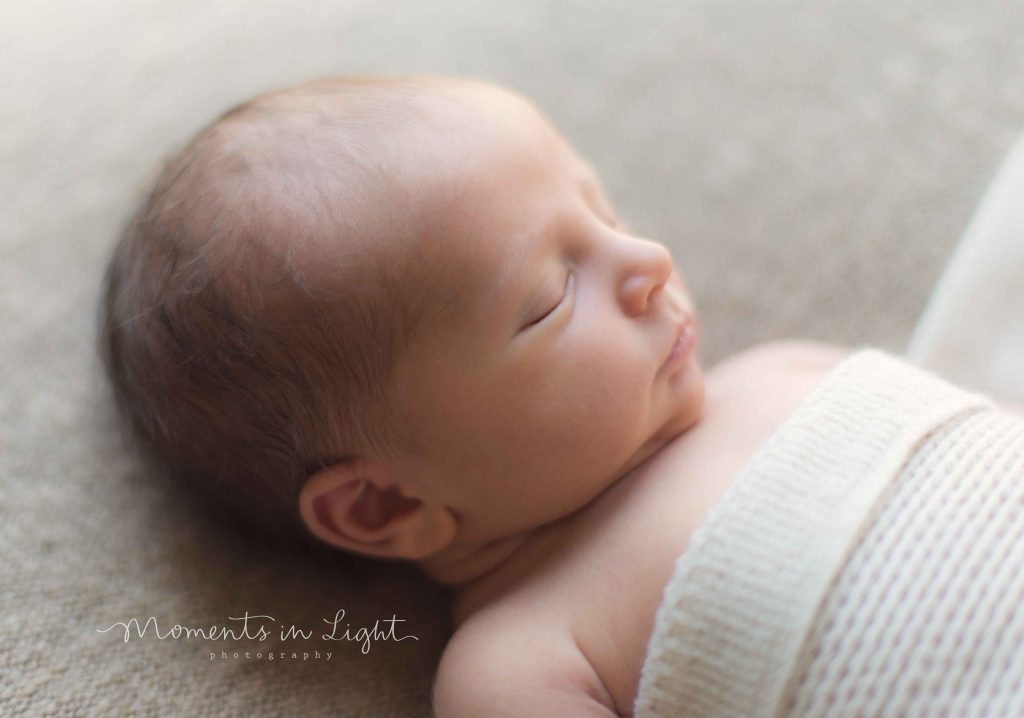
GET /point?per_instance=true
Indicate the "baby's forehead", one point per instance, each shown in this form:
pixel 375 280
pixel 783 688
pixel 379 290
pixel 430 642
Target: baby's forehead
pixel 511 179
pixel 404 199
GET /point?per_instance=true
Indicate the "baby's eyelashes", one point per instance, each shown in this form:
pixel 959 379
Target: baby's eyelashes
pixel 565 293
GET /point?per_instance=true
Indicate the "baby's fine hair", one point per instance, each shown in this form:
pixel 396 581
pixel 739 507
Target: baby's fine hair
pixel 237 364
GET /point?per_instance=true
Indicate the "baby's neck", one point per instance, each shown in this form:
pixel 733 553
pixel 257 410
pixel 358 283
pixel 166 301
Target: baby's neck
pixel 466 564
pixel 481 572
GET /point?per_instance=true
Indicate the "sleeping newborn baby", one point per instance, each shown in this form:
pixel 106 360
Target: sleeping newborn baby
pixel 400 315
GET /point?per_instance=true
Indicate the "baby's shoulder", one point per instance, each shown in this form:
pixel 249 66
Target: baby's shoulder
pixel 778 372
pixel 509 661
pixel 783 355
pixel 753 391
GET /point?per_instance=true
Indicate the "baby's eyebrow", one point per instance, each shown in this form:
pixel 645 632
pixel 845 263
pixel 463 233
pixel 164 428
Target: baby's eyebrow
pixel 511 267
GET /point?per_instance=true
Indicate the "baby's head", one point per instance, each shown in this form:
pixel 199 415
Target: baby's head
pixel 395 314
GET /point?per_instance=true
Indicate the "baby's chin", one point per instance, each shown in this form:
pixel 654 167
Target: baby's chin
pixel 689 410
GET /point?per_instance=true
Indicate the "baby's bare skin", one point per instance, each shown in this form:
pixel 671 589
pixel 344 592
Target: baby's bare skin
pixel 562 629
pixel 565 446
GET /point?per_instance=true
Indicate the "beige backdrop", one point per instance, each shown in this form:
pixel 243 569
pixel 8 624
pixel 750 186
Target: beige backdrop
pixel 810 164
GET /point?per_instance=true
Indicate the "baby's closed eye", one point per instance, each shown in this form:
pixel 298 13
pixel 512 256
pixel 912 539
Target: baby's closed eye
pixel 566 291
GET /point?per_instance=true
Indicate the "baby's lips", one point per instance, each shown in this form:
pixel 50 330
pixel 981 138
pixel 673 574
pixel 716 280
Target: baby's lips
pixel 683 340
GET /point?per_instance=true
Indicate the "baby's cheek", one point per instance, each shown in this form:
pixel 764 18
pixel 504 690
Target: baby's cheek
pixel 616 402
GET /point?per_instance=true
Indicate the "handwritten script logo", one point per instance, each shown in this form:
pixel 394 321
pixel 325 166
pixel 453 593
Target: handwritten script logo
pixel 260 627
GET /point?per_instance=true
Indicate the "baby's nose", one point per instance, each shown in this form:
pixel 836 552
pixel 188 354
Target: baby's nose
pixel 646 268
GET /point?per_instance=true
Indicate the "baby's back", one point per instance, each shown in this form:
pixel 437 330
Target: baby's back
pixel 570 637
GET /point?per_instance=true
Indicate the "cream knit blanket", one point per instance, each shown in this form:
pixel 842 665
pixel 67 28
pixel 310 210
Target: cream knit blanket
pixel 869 561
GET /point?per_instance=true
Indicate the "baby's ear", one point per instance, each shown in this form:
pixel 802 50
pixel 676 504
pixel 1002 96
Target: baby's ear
pixel 356 505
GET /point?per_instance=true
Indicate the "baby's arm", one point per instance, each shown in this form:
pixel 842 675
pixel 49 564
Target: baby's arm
pixel 497 671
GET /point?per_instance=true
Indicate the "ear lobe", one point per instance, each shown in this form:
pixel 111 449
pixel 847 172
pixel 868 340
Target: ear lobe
pixel 355 506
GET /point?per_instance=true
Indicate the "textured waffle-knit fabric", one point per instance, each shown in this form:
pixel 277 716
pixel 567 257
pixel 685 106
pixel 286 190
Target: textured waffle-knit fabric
pixel 927 619
pixel 867 561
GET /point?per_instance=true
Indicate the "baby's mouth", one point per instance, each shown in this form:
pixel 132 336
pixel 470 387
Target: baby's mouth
pixel 685 341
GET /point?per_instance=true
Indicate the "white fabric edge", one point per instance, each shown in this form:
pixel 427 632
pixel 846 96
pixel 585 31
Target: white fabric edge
pixel 729 630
